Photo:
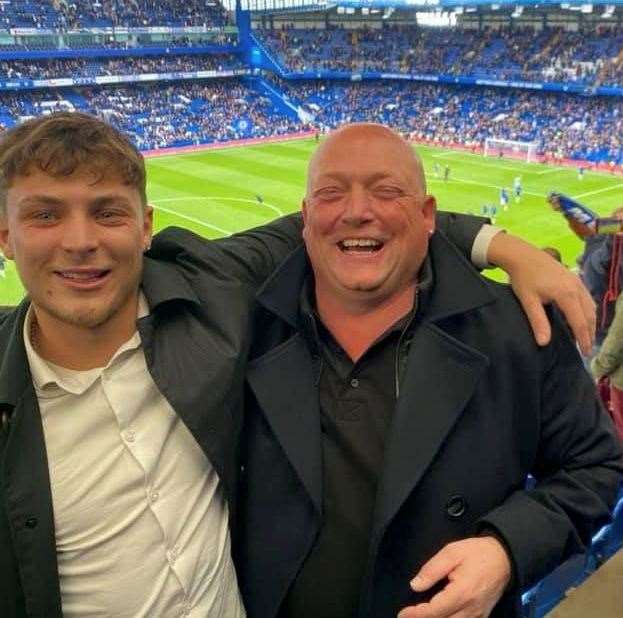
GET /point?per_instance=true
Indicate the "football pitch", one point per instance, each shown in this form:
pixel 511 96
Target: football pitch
pixel 221 191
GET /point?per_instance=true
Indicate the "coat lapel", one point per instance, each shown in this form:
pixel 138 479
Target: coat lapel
pixel 440 378
pixel 292 409
pixel 25 477
pixel 29 506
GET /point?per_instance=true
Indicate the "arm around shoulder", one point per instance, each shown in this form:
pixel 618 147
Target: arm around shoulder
pixel 578 470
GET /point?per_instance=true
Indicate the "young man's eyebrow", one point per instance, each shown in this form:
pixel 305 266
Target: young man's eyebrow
pixel 34 200
pixel 107 200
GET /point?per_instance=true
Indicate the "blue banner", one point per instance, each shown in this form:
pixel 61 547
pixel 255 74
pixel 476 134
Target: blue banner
pixel 62 82
pixel 463 81
pixel 101 52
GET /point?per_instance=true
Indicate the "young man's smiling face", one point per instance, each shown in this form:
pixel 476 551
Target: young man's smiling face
pixel 367 216
pixel 78 244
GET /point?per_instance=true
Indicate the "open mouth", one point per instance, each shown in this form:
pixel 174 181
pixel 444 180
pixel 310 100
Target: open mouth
pixel 360 245
pixel 83 276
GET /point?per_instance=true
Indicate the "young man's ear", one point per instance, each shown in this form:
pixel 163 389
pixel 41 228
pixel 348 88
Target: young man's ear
pixel 304 213
pixel 148 226
pixel 5 244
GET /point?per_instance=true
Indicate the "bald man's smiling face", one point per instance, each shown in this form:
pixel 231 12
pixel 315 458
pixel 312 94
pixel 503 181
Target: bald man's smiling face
pixel 367 216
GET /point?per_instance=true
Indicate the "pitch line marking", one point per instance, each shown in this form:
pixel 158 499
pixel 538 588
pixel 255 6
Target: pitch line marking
pixel 498 166
pixel 481 184
pixel 575 197
pixel 274 208
pixel 193 219
pixel 447 153
pixel 551 171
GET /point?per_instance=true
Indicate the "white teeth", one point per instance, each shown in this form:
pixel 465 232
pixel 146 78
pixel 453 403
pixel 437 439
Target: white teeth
pixel 82 275
pixel 360 242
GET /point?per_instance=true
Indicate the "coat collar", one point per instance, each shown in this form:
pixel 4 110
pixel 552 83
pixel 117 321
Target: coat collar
pixel 459 290
pixel 294 415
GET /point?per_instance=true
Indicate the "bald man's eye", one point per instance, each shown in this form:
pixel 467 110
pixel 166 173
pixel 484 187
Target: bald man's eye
pixel 387 192
pixel 329 194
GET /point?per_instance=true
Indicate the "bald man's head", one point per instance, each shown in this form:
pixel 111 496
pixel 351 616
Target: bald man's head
pixel 367 216
pixel 365 135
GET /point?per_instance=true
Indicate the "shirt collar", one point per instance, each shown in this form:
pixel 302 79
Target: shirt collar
pixel 51 380
pixel 312 326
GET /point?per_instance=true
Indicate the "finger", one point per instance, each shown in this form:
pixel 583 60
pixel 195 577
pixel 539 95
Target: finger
pixel 444 604
pixel 537 317
pixel 438 567
pixel 590 313
pixel 573 308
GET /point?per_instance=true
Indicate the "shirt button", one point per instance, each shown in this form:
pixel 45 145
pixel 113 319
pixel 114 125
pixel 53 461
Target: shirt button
pixel 172 555
pixel 354 383
pixel 153 496
pixel 130 435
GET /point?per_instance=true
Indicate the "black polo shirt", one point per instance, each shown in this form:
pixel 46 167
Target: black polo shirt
pixel 357 402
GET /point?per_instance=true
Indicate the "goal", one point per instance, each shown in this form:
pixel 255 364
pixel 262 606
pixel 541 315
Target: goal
pixel 526 151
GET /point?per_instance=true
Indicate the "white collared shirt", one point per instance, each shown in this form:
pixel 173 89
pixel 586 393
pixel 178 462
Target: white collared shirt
pixel 140 518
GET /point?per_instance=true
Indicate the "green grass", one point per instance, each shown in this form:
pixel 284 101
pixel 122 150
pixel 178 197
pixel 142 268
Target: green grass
pixel 214 192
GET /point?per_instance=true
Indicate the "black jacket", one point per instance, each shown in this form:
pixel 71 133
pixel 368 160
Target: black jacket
pixel 480 407
pixel 196 340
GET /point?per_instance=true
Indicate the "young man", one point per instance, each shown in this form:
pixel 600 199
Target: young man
pixel 388 476
pixel 121 380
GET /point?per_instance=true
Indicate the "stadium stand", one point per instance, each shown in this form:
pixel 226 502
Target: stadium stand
pixel 184 112
pixel 550 54
pixel 78 14
pixel 165 115
pixel 52 69
pixel 565 126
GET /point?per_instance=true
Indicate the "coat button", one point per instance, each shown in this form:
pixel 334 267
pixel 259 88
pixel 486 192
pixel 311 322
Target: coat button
pixel 31 522
pixel 456 507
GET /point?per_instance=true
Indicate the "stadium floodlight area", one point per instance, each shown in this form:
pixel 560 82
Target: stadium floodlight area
pixel 527 151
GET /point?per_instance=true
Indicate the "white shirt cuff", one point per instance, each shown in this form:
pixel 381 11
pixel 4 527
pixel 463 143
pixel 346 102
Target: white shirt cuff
pixel 480 248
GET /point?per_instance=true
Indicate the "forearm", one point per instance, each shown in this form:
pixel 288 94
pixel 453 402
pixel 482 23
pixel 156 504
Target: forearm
pixel 578 470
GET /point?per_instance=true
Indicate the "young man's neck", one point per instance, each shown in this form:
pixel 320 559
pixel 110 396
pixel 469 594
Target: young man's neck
pixel 77 347
pixel 357 325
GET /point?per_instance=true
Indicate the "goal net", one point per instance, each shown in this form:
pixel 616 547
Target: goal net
pixel 526 151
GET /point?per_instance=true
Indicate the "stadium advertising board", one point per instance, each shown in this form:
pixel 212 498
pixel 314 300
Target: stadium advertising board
pixel 31 84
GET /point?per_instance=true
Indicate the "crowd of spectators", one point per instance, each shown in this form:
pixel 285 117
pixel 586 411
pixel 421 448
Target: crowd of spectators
pixel 77 14
pixel 159 115
pixel 517 53
pixel 563 125
pixel 110 42
pixel 176 114
pixel 50 69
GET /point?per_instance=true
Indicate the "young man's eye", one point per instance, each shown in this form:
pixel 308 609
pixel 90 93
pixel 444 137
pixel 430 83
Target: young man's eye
pixel 110 215
pixel 43 216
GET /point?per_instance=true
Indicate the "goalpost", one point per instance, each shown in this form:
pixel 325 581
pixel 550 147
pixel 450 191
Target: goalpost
pixel 495 147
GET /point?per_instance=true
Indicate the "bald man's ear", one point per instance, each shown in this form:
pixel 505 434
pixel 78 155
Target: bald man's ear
pixel 429 209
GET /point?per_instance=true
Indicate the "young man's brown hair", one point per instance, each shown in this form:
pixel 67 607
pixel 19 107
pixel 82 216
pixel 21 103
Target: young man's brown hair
pixel 67 142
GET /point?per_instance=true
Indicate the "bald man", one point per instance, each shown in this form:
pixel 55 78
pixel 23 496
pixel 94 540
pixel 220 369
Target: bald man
pixel 388 476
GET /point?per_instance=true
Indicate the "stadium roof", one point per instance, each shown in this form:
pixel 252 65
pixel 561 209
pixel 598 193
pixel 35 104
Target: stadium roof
pixel 284 5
